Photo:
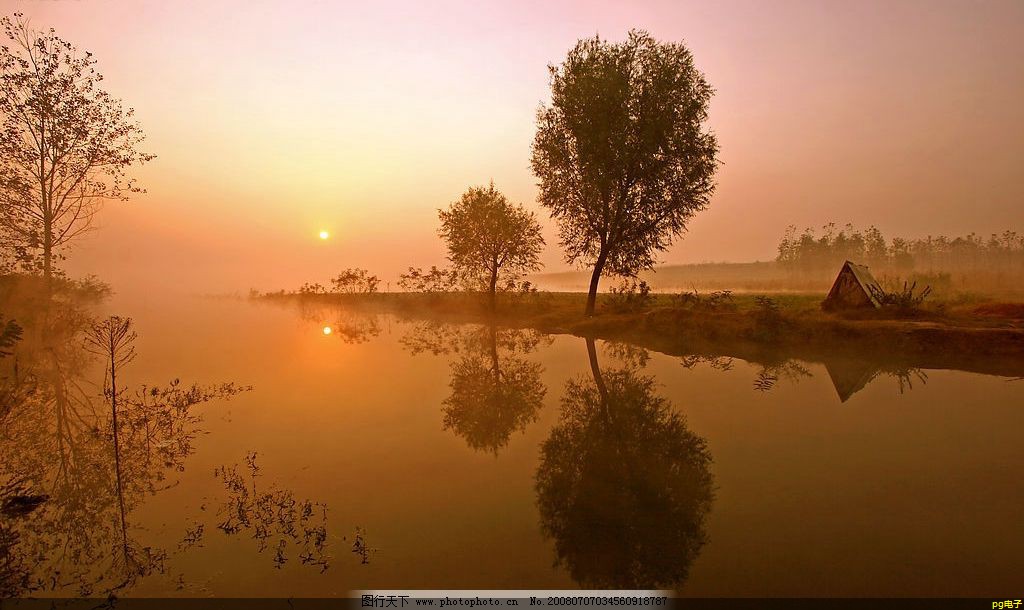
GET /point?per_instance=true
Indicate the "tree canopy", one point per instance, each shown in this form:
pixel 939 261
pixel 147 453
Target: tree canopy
pixel 622 153
pixel 489 238
pixel 66 144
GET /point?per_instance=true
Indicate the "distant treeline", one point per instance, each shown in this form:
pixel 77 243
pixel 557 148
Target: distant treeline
pixel 809 253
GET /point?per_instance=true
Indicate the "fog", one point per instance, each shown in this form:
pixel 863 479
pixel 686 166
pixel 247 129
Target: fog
pixel 274 121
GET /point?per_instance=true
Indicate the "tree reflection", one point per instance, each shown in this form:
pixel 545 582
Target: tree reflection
pixel 770 374
pixel 623 486
pixel 492 395
pixel 347 325
pixel 495 392
pixel 60 442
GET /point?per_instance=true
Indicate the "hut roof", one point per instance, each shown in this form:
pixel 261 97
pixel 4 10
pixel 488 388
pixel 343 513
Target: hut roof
pixel 866 280
pixel 854 287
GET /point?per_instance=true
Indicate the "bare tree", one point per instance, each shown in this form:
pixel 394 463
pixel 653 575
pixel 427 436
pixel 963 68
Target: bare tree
pixel 489 237
pixel 66 144
pixel 622 154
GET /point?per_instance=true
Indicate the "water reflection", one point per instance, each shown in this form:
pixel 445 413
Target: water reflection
pixel 770 374
pixel 273 517
pixel 850 375
pixel 88 456
pixel 349 326
pixel 623 486
pixel 495 391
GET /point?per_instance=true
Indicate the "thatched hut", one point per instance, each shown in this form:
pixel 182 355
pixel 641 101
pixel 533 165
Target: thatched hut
pixel 854 288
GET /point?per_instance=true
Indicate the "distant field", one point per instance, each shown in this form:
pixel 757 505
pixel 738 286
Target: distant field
pixel 739 277
pixel 773 277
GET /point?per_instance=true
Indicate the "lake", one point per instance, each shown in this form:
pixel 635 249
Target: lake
pixel 376 452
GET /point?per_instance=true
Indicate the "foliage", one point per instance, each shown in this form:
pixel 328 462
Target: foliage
pixel 66 144
pixel 807 252
pixel 770 374
pixel 355 281
pixel 718 363
pixel 10 333
pixel 312 288
pixel 361 547
pixel 768 318
pixel 719 300
pixel 903 299
pixel 489 239
pixel 623 485
pixel 622 154
pixel 631 356
pixel 95 468
pixel 767 308
pixel 89 288
pixel 276 519
pixel 435 280
pixel 492 396
pixel 629 296
pixel 494 390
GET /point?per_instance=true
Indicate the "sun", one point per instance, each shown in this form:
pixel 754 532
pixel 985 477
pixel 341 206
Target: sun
pixel 324 234
pixel 327 330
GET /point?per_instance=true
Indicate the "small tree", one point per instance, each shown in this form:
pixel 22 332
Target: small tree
pixel 355 281
pixel 622 154
pixel 65 144
pixel 490 238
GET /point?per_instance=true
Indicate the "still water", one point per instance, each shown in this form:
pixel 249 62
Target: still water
pixel 375 452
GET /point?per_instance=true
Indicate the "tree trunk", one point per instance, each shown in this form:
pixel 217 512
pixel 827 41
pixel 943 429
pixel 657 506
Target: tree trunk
pixel 594 280
pixel 47 253
pixel 494 289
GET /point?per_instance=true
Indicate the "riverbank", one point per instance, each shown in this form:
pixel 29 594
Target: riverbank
pixel 979 336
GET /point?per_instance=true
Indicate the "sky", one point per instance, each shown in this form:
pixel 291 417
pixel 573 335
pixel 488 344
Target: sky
pixel 273 121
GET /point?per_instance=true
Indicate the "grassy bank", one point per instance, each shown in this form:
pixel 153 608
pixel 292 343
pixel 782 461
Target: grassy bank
pixel 972 335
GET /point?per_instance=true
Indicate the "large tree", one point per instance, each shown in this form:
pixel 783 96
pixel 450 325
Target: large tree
pixel 622 153
pixel 66 144
pixel 490 238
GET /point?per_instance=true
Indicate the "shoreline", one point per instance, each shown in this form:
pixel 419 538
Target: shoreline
pixel 956 338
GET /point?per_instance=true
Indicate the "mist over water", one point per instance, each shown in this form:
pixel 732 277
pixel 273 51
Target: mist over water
pixel 440 454
pixel 301 299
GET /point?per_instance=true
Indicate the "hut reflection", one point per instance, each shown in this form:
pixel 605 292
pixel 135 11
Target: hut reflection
pixel 850 375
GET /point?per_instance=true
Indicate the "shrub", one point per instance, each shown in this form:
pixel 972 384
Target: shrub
pixel 435 280
pixel 719 300
pixel 309 288
pixel 630 295
pixel 355 281
pixel 768 318
pixel 903 299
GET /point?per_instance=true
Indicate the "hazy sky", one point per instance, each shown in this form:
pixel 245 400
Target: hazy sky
pixel 275 120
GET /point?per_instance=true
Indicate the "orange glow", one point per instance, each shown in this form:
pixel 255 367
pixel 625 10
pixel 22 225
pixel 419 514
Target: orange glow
pixel 417 103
